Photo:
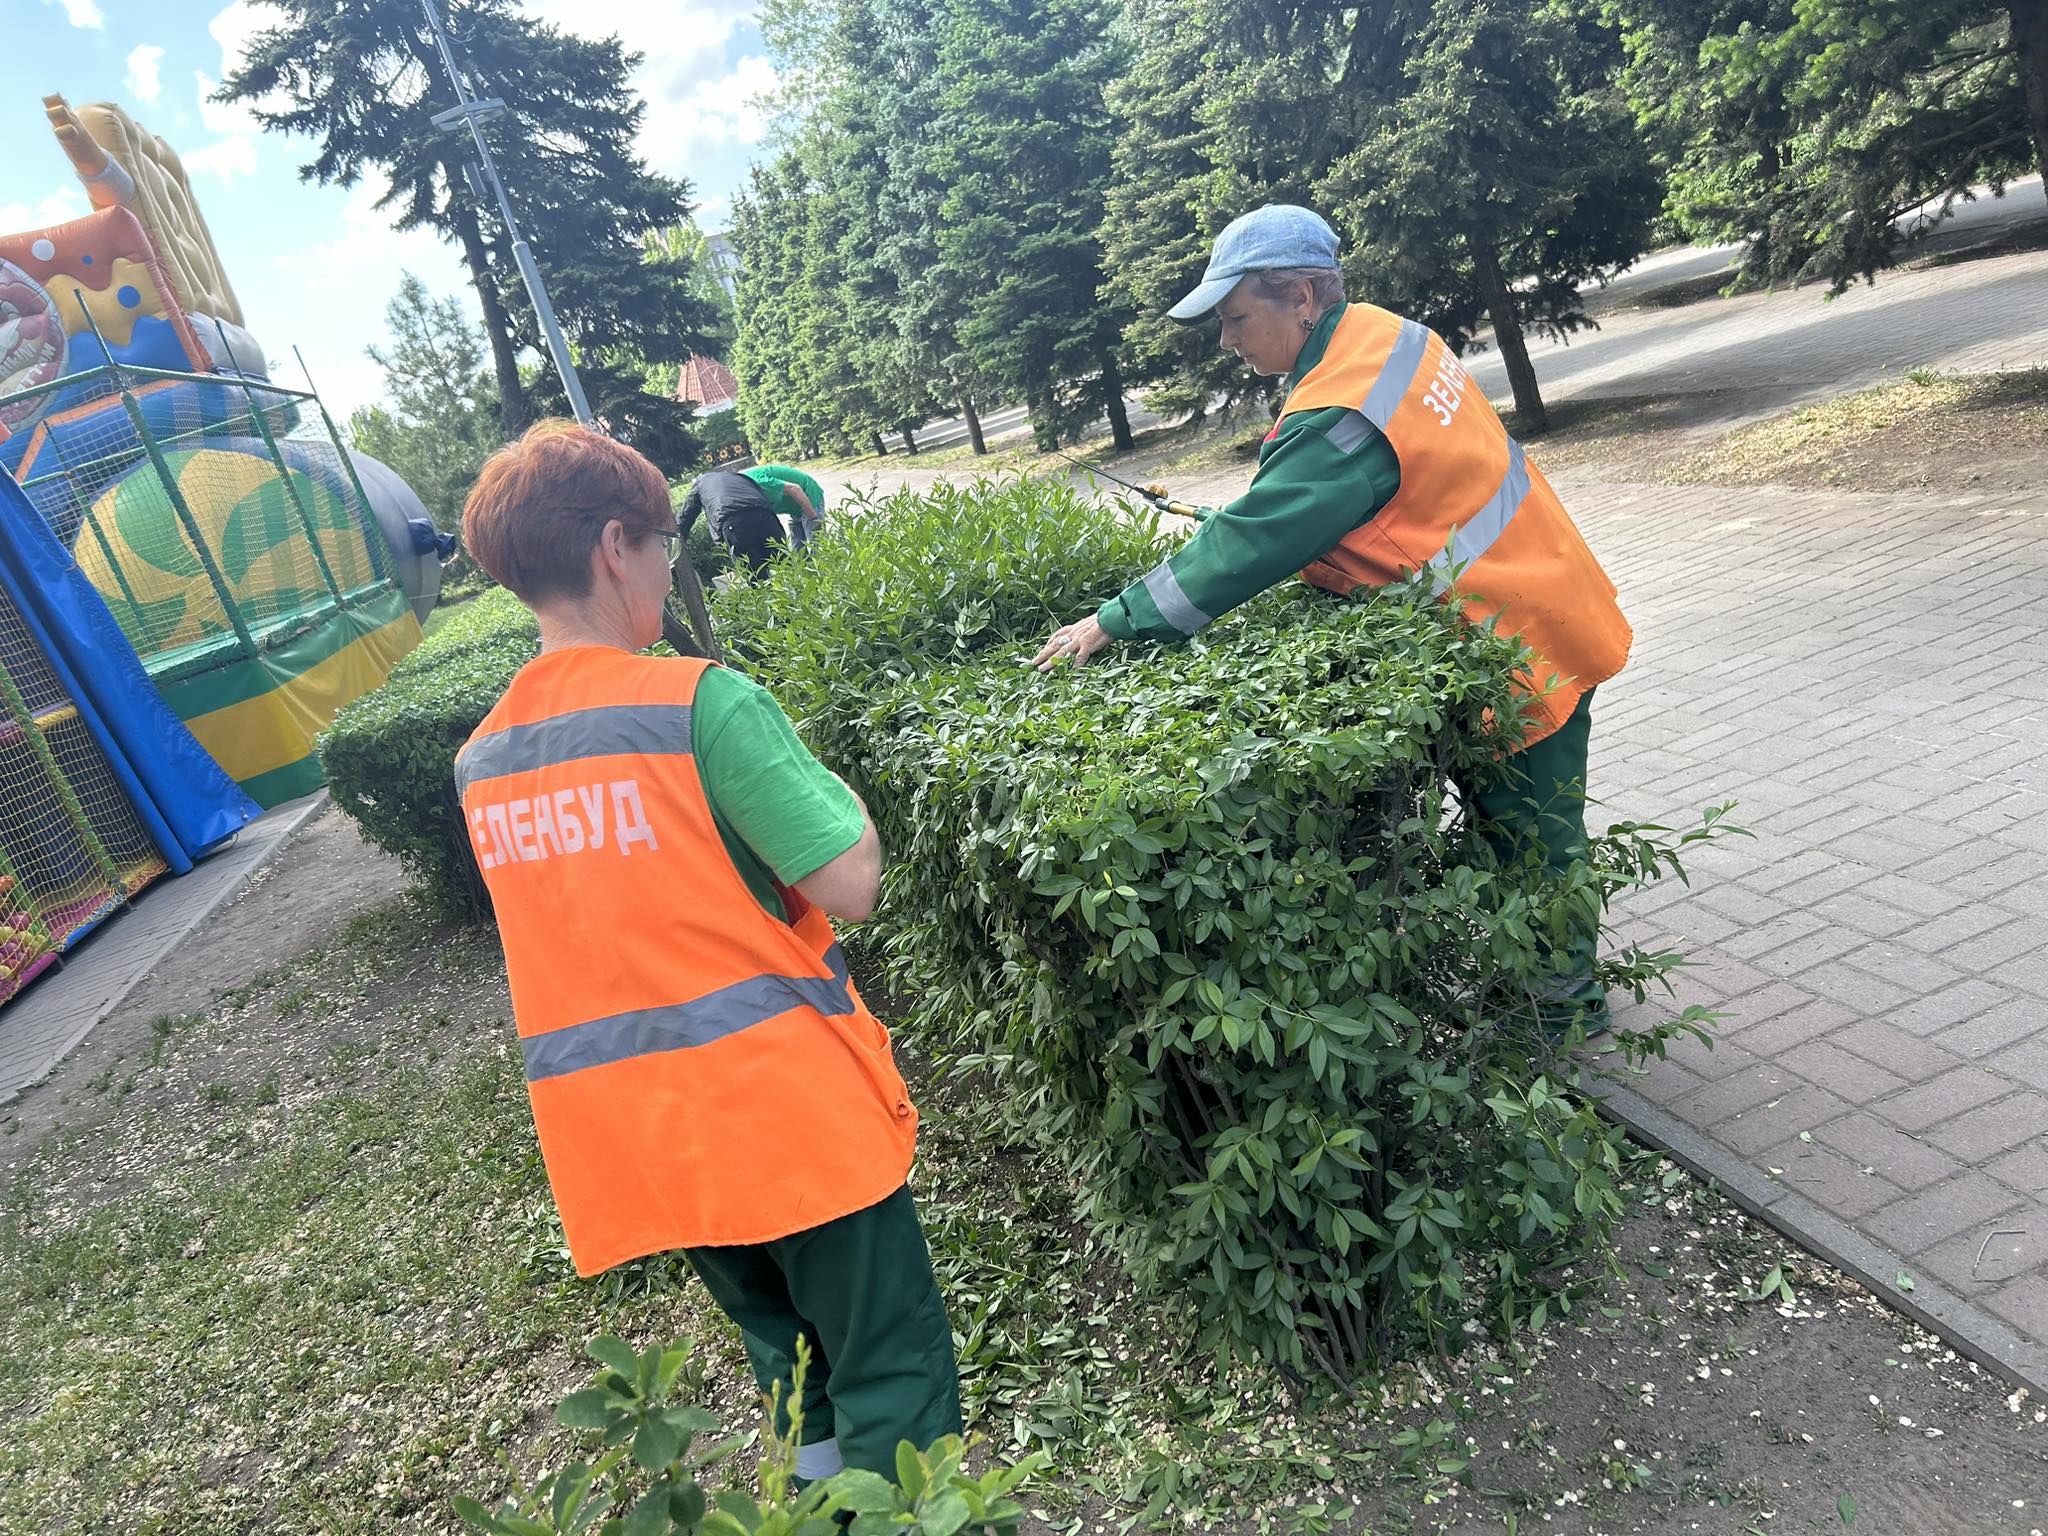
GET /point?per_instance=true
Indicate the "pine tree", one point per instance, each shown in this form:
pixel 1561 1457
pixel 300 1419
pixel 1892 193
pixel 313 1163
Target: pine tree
pixel 888 58
pixel 1162 207
pixel 1809 127
pixel 1022 149
pixel 1499 175
pixel 1229 105
pixel 362 78
pixel 438 419
pixel 767 237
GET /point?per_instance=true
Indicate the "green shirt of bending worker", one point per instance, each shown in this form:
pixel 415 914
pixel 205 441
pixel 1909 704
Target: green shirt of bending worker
pixel 1273 282
pixel 791 494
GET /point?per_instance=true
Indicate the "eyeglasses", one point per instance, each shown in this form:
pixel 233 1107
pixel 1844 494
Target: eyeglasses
pixel 674 539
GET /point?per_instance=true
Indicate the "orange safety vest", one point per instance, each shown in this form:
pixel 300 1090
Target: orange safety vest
pixel 702 1073
pixel 1470 497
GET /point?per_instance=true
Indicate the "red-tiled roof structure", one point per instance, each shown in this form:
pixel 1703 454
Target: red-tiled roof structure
pixel 707 383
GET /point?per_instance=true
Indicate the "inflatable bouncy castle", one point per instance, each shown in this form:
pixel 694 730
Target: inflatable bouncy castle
pixel 190 556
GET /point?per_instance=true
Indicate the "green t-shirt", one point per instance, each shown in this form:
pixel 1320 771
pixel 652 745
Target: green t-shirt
pixel 782 813
pixel 773 477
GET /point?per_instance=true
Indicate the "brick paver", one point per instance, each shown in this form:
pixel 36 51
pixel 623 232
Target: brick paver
pixel 1863 675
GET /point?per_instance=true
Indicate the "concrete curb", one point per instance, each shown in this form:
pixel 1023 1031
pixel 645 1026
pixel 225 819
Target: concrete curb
pixel 50 1020
pixel 1973 1331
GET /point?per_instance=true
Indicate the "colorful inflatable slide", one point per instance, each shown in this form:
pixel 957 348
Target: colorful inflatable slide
pixel 165 492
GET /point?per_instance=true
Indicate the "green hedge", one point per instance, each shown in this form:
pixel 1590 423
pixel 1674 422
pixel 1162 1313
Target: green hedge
pixel 1203 917
pixel 390 755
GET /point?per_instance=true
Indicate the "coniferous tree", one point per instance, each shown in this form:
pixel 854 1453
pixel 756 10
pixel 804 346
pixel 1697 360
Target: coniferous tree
pixel 768 235
pixel 362 78
pixel 1807 129
pixel 438 419
pixel 1022 148
pixel 1498 177
pixel 1162 207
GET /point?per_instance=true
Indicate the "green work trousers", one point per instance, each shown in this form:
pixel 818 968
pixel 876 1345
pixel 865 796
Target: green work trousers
pixel 1539 803
pixel 861 1290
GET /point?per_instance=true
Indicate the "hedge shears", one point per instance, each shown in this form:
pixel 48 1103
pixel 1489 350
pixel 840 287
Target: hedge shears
pixel 1155 494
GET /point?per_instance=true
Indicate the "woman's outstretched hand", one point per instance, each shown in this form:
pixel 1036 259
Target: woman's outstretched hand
pixel 1074 642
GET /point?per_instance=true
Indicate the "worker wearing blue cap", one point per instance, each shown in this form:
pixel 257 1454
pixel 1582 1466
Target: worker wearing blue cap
pixel 1388 462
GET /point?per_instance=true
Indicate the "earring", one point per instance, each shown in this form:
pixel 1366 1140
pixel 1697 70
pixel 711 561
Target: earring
pixel 1307 324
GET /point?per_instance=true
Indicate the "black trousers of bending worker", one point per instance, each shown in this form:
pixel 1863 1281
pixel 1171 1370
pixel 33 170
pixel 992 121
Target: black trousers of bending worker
pixel 754 535
pixel 740 514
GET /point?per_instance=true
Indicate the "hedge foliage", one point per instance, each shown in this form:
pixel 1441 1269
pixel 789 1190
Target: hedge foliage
pixel 1205 919
pixel 390 755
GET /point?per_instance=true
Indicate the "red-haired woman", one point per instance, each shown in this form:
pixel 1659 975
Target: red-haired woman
pixel 662 853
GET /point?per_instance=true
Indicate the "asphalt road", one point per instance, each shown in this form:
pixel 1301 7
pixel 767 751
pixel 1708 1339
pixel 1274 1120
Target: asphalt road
pixel 1984 218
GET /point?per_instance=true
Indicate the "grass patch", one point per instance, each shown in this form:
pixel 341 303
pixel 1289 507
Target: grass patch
pixel 305 1284
pixel 1924 429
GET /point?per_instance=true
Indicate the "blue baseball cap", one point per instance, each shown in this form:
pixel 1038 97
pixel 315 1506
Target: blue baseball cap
pixel 1277 235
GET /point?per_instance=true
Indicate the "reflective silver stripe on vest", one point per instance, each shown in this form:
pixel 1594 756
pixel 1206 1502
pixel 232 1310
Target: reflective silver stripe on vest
pixel 608 731
pixel 1396 374
pixel 1478 533
pixel 1173 603
pixel 1350 432
pixel 680 1026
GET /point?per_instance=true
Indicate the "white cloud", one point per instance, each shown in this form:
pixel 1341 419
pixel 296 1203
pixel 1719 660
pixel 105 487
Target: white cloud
pixel 225 158
pixel 729 109
pixel 711 212
pixel 57 208
pixel 233 28
pixel 230 118
pixel 367 244
pixel 692 99
pixel 681 43
pixel 234 152
pixel 236 27
pixel 145 71
pixel 330 297
pixel 81 13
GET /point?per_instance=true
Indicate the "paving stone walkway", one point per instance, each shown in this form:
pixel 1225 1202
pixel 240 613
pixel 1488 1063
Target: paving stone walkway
pixel 1867 675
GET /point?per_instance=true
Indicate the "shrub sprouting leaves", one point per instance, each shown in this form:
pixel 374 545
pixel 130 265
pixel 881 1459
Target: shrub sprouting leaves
pixel 1208 921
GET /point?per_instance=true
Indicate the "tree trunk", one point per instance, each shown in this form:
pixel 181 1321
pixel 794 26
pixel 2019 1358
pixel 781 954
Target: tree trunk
pixel 909 439
pixel 1113 404
pixel 973 424
pixel 1531 420
pixel 513 413
pixel 2030 43
pixel 881 448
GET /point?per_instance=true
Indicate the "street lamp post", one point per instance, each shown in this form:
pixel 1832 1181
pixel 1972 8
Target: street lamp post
pixel 482 175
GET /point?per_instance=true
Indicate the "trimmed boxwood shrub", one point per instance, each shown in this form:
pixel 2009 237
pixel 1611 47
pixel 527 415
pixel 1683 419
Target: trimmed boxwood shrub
pixel 390 755
pixel 1206 921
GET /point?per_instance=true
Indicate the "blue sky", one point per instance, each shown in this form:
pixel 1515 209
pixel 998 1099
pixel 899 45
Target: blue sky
pixel 315 265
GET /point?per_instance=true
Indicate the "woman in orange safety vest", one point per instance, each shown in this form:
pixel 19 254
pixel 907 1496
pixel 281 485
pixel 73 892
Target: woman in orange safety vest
pixel 1388 462
pixel 662 854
